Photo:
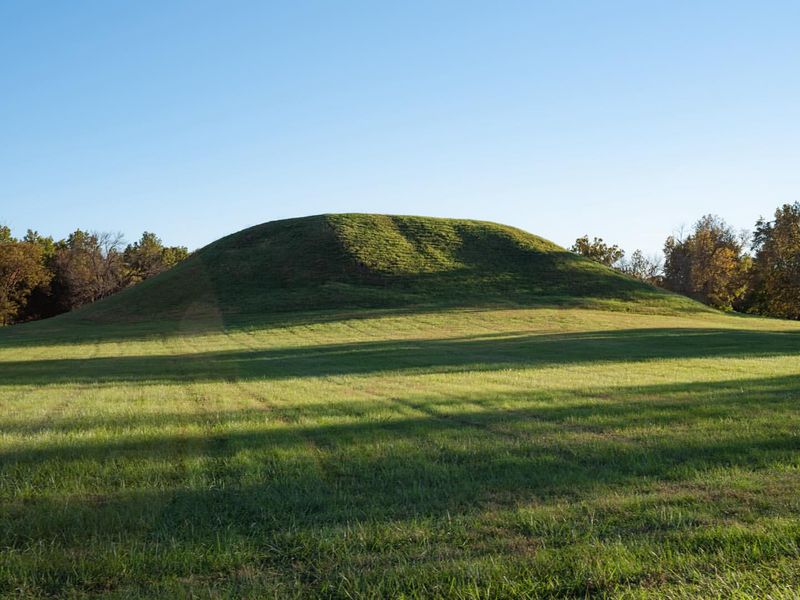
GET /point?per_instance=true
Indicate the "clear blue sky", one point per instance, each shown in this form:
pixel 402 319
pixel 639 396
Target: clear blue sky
pixel 195 119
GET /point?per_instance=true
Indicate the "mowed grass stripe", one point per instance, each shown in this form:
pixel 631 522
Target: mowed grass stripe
pixel 490 453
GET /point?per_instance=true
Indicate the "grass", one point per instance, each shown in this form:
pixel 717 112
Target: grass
pixel 366 406
pixel 450 452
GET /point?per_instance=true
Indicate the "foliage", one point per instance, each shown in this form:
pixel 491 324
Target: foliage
pixel 647 269
pixel 708 265
pixel 88 267
pixel 776 265
pixel 598 250
pixel 149 257
pixel 43 301
pixel 21 271
pixel 40 277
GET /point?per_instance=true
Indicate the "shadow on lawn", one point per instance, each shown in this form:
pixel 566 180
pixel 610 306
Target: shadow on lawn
pixel 595 409
pixel 74 329
pixel 425 356
pixel 428 460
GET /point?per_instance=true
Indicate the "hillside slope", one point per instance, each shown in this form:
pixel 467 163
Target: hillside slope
pixel 347 261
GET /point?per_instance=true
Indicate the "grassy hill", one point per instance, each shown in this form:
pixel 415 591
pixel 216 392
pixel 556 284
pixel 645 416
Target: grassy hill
pixel 357 261
pixel 398 408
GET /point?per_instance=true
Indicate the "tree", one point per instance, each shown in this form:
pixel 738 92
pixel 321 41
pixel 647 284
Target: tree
pixel 40 277
pixel 647 269
pixel 708 265
pixel 172 255
pixel 775 280
pixel 149 257
pixel 21 270
pixel 41 303
pixel 87 267
pixel 597 250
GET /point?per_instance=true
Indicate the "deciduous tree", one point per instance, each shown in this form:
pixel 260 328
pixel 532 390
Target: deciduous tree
pixel 775 278
pixel 149 257
pixel 21 270
pixel 647 269
pixel 87 267
pixel 598 250
pixel 708 265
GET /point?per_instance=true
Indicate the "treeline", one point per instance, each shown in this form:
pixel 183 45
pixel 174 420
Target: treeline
pixel 755 272
pixel 42 277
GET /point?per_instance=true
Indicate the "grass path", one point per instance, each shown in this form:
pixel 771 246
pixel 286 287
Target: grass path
pixel 473 454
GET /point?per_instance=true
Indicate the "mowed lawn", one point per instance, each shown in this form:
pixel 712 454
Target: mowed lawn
pixel 464 453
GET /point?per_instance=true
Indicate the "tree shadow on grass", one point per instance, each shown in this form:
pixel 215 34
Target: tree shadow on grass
pixel 73 329
pixel 605 407
pixel 476 353
pixel 266 479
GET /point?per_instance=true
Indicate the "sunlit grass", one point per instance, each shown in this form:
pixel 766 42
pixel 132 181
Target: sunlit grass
pixel 472 453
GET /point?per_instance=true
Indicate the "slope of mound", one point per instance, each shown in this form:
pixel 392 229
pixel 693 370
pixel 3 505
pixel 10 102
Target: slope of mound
pixel 347 261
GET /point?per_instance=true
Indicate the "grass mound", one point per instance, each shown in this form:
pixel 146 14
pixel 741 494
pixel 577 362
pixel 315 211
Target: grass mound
pixel 375 261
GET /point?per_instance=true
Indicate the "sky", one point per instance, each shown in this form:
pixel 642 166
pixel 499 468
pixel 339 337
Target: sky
pixel 195 119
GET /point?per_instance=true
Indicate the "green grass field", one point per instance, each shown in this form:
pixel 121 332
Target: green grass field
pixel 505 452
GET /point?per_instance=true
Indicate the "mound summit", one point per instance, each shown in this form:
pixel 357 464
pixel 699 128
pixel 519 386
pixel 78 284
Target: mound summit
pixel 351 261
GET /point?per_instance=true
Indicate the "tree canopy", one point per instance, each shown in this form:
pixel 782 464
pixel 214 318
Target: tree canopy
pixel 40 277
pixel 775 277
pixel 708 265
pixel 598 250
pixel 22 269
